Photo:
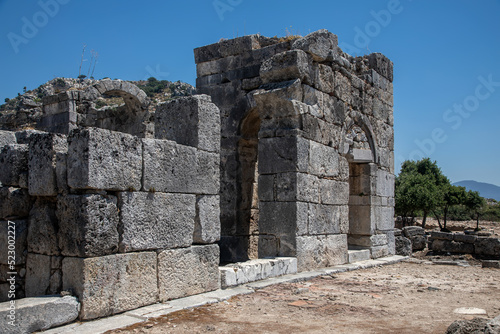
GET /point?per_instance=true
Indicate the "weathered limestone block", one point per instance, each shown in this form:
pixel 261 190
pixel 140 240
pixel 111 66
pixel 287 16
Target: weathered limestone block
pixel 43 149
pixel 297 187
pixel 88 225
pixel 156 220
pixel 207 221
pixel 14 165
pixel 451 246
pixel 14 203
pixel 188 271
pixel 43 275
pixel 7 137
pixel 460 237
pixel 379 251
pixel 327 219
pixel 38 314
pixel 192 121
pixel 334 192
pixel 442 235
pixel 403 246
pixel 278 155
pixel 323 160
pixel 487 247
pixel 174 168
pixel 207 177
pixel 8 230
pixel 342 88
pixel 282 220
pixel 103 159
pixel 323 78
pixel 321 251
pixel 382 65
pixel 384 217
pixel 385 184
pixel 111 284
pixel 43 228
pixel 289 65
pixel 368 240
pixel 319 44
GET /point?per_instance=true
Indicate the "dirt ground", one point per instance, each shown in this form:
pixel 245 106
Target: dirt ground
pixel 415 296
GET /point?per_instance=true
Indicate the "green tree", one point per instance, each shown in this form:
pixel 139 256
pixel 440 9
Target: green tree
pixel 452 195
pixel 475 204
pixel 419 187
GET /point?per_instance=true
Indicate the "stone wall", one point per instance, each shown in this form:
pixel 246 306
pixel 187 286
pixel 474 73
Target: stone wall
pixel 307 148
pixel 127 206
pixel 119 220
pixel 460 243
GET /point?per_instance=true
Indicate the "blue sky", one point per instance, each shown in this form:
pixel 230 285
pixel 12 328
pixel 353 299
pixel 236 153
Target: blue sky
pixel 446 55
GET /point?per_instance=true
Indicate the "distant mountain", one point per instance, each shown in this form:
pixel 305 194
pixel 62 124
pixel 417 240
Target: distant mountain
pixel 486 190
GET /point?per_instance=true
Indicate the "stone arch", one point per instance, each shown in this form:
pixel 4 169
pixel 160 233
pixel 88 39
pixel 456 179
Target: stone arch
pixel 132 117
pixel 359 126
pixel 133 96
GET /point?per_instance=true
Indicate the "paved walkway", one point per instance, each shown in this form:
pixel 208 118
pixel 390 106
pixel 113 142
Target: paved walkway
pixel 144 313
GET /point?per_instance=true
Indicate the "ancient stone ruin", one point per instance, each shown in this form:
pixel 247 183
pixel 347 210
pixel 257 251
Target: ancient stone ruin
pixel 286 159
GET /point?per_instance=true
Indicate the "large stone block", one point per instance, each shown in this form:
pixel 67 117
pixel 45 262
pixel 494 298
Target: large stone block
pixel 327 219
pixel 7 137
pixel 384 218
pixel 14 203
pixel 403 246
pixel 361 220
pixel 156 220
pixel 285 154
pixel 451 246
pixel 323 160
pixel 14 165
pixel 192 121
pixel 88 225
pixel 319 44
pixel 207 222
pixel 188 271
pixel 174 168
pixel 334 192
pixel 43 228
pixel 487 247
pixel 382 65
pixel 43 149
pixel 43 275
pixel 13 236
pixel 297 187
pixel 38 314
pixel 112 284
pixel 321 251
pixel 103 159
pixel 385 184
pixel 283 221
pixel 289 65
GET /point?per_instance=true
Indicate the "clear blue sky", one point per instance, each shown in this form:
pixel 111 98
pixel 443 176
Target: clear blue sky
pixel 446 55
